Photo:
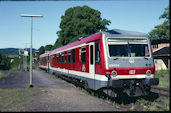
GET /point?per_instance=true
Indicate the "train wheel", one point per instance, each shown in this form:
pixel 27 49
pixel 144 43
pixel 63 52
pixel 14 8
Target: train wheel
pixel 119 98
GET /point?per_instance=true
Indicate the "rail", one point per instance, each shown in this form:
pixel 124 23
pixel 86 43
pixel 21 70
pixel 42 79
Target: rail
pixel 162 91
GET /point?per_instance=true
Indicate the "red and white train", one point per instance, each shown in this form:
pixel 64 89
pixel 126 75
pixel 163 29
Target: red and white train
pixel 119 60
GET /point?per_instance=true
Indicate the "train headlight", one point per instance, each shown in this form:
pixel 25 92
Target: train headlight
pixel 148 72
pixel 114 73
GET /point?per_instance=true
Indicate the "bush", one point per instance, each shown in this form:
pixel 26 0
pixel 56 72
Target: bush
pixel 4 62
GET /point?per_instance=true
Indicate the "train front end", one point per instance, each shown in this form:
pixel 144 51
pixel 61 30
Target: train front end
pixel 130 64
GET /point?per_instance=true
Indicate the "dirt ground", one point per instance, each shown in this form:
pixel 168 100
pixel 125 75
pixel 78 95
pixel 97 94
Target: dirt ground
pixel 48 94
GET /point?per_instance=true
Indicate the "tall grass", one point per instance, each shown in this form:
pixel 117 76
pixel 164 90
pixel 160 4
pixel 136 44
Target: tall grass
pixel 164 77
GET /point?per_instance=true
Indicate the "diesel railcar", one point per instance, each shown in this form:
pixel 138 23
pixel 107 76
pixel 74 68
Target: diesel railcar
pixel 116 61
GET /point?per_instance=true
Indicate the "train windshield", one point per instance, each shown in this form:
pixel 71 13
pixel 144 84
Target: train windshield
pixel 128 47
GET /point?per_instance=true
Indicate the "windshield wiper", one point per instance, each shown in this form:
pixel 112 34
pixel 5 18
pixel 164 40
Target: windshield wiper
pixel 146 58
pixel 115 58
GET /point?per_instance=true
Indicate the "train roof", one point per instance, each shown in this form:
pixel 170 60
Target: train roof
pixel 90 38
pixel 45 54
pixel 120 33
pixel 84 40
pixel 109 33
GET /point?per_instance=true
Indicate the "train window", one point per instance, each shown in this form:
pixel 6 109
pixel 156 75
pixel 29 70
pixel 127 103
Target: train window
pixel 128 47
pixel 69 56
pixel 83 54
pixel 73 56
pixel 57 58
pixel 91 54
pixel 65 57
pixel 62 57
pixel 97 52
pixel 47 59
pixel 53 57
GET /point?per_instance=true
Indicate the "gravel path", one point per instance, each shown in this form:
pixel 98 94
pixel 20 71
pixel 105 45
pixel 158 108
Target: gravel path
pixel 59 96
pixel 15 79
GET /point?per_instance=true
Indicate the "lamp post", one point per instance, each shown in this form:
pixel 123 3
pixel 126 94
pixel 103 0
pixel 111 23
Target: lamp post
pixel 25 54
pixel 31 72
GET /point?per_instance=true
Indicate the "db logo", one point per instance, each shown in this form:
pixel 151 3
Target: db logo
pixel 83 67
pixel 131 60
pixel 132 72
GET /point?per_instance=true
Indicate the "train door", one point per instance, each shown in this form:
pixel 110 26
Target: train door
pixel 91 63
pixel 48 60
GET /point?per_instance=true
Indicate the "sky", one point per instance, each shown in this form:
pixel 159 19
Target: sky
pixel 15 31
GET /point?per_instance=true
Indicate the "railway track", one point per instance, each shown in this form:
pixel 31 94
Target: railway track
pixel 162 91
pixel 134 106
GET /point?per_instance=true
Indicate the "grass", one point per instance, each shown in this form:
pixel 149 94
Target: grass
pixel 1 75
pixel 17 69
pixel 164 77
pixel 10 98
pixel 142 102
pixel 160 104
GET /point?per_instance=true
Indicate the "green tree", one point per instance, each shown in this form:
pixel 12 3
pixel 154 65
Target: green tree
pixel 48 47
pixel 41 50
pixel 4 61
pixel 79 22
pixel 17 63
pixel 162 31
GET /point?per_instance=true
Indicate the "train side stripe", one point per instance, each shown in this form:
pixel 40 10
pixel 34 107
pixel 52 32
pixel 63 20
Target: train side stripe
pixel 81 74
pixel 101 77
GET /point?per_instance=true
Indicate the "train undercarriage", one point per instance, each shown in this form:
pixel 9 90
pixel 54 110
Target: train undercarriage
pixel 130 87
